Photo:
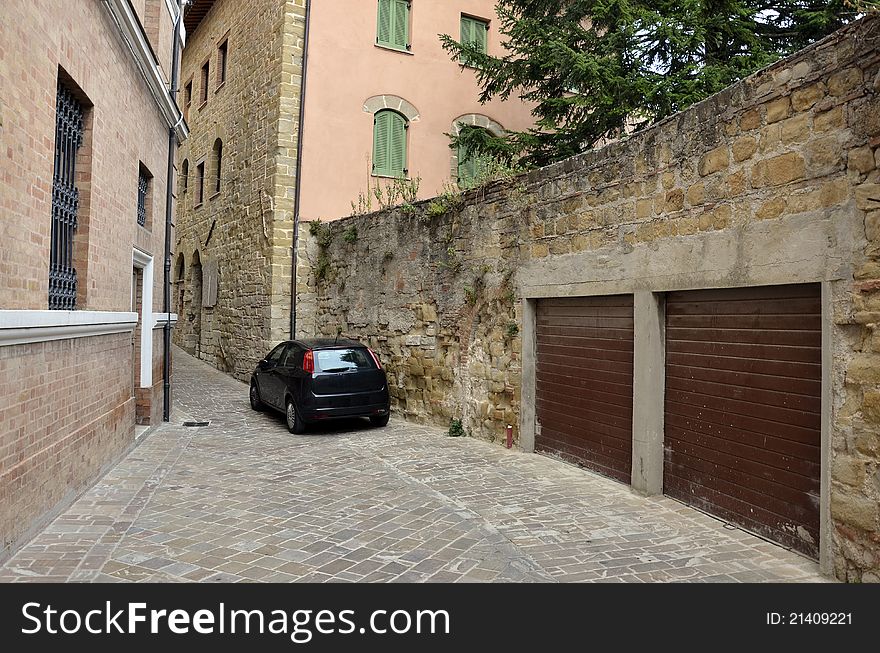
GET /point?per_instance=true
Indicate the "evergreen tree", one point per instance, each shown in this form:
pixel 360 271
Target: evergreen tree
pixel 596 69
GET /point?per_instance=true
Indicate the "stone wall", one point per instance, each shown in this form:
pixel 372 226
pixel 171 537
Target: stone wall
pixel 775 180
pixel 244 231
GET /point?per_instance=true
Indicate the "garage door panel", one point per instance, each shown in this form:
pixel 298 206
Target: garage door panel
pixel 598 333
pixel 575 345
pixel 609 446
pixel 745 350
pixel 790 449
pixel 743 407
pixel 570 374
pixel 584 381
pixel 757 336
pixel 788 369
pixel 796 322
pixel 590 357
pixel 790 400
pixel 792 432
pixel 601 425
pixel 743 470
pixel 605 460
pixel 611 393
pixel 744 379
pixel 754 518
pixel 734 408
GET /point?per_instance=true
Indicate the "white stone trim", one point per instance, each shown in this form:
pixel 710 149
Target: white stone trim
pixel 144 261
pixel 159 320
pixel 18 327
pixel 131 31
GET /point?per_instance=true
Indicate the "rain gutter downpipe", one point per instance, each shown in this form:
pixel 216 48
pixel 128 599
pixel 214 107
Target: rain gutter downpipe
pixel 169 205
pixel 299 156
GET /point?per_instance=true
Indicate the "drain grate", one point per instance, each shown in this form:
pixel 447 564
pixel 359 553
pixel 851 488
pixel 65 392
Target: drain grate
pixel 196 423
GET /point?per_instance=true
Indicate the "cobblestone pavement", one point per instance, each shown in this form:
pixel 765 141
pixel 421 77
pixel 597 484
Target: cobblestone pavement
pixel 243 500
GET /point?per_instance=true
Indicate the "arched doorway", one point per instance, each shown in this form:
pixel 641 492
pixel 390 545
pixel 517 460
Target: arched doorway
pixel 195 305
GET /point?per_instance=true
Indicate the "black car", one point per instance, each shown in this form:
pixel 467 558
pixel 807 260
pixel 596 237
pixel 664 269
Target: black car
pixel 321 379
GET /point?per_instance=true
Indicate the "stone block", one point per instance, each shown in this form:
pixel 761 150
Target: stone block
pixel 713 161
pixel 844 81
pixel 854 510
pixel 848 470
pixel 860 160
pixel 750 120
pixel 772 208
pixel 864 368
pixel 868 197
pixel 674 201
pixel 829 120
pixel 796 129
pixel 777 109
pixel 871 407
pixel 744 148
pixel 805 97
pixel 782 169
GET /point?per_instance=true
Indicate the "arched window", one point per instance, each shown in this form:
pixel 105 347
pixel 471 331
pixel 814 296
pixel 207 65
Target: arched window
pixel 218 164
pixel 184 175
pixel 470 167
pixel 389 144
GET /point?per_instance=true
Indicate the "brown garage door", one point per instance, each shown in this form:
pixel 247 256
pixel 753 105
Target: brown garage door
pixel 584 382
pixel 743 396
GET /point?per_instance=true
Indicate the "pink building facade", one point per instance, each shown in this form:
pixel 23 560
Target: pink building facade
pixel 353 73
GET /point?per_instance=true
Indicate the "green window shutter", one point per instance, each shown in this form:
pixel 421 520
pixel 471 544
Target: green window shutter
pixel 481 35
pixel 397 146
pixel 400 36
pixel 389 144
pixel 383 31
pixel 381 136
pixel 466 167
pixel 474 32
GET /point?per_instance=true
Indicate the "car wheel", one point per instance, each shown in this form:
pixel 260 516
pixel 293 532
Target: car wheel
pixel 256 403
pixel 295 423
pixel 380 420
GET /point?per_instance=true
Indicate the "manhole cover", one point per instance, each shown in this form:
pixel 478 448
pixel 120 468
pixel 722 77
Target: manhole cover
pixel 196 423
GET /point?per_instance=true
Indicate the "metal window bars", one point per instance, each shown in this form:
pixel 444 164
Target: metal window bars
pixel 143 186
pixel 65 200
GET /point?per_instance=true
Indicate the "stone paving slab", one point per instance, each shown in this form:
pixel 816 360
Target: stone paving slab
pixel 242 500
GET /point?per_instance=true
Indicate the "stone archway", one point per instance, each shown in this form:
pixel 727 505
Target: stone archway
pixel 195 305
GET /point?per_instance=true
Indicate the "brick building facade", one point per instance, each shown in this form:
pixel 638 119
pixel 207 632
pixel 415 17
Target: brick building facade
pixel 84 131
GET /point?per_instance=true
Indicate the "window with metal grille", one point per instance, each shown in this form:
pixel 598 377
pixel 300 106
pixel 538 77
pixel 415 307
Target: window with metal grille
pixel 69 130
pixel 144 179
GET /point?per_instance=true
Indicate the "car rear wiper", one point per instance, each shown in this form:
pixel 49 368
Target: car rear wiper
pixel 337 369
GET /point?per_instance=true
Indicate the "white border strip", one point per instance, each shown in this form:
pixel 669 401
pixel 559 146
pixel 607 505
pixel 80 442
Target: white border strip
pixel 24 327
pixel 130 27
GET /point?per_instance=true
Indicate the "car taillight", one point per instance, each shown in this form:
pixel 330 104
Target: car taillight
pixel 309 362
pixel 375 358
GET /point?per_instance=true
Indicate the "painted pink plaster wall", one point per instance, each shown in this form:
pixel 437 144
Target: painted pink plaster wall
pixel 346 67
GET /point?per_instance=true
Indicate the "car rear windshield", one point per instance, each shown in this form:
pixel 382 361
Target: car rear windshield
pixel 343 360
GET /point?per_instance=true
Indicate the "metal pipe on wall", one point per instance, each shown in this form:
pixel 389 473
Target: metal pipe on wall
pixel 169 205
pixel 298 192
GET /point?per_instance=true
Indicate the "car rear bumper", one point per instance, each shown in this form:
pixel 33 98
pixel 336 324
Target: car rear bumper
pixel 320 414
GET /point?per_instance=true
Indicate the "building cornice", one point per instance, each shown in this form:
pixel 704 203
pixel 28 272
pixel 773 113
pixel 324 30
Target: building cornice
pixel 132 32
pixel 23 327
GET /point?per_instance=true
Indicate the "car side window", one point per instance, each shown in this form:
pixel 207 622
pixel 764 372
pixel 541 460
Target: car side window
pixel 290 356
pixel 275 356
